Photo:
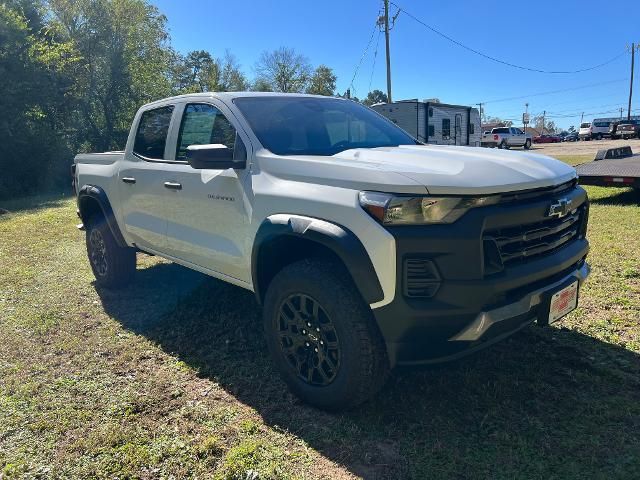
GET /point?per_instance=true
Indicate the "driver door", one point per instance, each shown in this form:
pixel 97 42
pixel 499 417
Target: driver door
pixel 208 211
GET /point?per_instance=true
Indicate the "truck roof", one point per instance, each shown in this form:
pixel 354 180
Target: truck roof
pixel 232 95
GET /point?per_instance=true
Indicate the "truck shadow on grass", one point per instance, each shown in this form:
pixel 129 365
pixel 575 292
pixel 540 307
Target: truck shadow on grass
pixel 545 403
pixel 622 197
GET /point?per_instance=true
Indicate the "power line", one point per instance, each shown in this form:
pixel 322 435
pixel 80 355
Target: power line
pixel 503 62
pixel 364 54
pixel 551 92
pixel 375 55
pixel 573 111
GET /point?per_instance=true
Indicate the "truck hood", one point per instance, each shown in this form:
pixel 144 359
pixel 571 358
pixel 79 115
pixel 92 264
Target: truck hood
pixel 465 170
pixel 434 169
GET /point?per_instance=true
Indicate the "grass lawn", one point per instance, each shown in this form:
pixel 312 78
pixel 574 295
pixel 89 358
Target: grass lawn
pixel 170 378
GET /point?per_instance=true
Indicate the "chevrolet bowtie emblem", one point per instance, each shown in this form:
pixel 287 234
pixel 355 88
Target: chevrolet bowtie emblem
pixel 560 209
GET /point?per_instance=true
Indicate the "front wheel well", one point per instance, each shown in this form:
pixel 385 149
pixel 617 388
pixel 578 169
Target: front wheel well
pixel 284 250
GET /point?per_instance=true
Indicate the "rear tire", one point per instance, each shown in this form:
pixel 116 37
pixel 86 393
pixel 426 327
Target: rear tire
pixel 527 145
pixel 503 145
pixel 322 336
pixel 112 265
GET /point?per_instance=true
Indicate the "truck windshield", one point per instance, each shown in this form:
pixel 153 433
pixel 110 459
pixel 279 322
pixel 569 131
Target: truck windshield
pixel 317 126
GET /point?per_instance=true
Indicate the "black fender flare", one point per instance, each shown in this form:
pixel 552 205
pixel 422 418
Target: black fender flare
pixel 340 240
pixel 89 194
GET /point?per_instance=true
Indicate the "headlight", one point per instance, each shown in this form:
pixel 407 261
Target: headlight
pixel 418 210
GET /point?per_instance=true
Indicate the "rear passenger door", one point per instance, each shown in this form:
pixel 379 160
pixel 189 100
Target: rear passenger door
pixel 142 194
pixel 517 137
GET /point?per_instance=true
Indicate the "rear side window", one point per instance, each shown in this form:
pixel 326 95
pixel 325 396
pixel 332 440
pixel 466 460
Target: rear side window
pixel 585 125
pixel 204 124
pixel 501 130
pixel 151 136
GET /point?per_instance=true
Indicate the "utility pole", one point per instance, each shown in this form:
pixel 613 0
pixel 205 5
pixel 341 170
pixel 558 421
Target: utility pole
pixel 386 37
pixel 633 56
pixel 544 113
pixel 621 109
pixel 581 118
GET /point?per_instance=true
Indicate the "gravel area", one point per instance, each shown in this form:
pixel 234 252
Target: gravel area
pixel 583 148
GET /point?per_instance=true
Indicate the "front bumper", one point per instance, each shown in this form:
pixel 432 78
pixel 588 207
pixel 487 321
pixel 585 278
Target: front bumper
pixel 473 307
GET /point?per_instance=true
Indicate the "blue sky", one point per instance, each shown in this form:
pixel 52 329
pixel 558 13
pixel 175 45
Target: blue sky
pixel 546 35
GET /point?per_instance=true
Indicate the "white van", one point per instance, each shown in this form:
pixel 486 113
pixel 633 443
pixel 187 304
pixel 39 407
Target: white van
pixel 596 130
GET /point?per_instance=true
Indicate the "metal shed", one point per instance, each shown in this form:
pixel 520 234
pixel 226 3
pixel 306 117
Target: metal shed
pixel 434 122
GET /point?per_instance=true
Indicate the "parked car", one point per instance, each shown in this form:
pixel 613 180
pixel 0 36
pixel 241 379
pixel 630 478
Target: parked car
pixel 613 130
pixel 596 130
pixel 365 248
pixel 584 133
pixel 629 129
pixel 506 137
pixel 547 139
pixel 570 137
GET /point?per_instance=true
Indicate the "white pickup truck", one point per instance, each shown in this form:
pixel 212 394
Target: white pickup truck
pixel 365 248
pixel 506 137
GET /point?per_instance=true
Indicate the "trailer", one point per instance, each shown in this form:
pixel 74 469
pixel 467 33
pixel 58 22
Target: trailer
pixel 435 122
pixel 614 167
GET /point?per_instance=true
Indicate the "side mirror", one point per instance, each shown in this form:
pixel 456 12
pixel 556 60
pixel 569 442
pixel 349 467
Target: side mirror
pixel 213 156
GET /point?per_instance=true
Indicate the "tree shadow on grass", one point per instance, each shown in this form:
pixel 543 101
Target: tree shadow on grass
pixel 33 203
pixel 546 403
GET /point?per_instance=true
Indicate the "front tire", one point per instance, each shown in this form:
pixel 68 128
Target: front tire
pixel 112 265
pixel 322 336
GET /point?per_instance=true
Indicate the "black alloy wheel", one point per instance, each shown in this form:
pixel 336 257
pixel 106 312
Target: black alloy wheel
pixel 308 339
pixel 98 253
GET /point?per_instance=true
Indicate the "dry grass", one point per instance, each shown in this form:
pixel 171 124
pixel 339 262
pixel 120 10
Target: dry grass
pixel 171 377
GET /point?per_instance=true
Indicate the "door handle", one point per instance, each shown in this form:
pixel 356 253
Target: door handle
pixel 173 185
pixel 128 180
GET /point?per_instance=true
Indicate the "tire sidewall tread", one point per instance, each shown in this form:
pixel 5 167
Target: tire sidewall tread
pixel 364 365
pixel 121 261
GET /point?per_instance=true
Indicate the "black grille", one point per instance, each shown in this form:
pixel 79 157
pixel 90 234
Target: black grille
pixel 521 243
pixel 421 278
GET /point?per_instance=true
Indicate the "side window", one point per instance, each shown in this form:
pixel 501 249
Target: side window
pixel 446 127
pixel 432 130
pixel 151 136
pixel 204 124
pixel 472 128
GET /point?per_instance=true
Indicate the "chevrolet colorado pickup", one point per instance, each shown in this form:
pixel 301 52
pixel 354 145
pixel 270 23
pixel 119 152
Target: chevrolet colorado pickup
pixel 366 249
pixel 506 137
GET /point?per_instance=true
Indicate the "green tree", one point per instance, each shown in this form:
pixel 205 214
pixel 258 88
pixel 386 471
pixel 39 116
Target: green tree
pixel 376 96
pixel 322 82
pixel 261 85
pixel 283 70
pixel 546 128
pixel 199 71
pixel 32 100
pixel 124 62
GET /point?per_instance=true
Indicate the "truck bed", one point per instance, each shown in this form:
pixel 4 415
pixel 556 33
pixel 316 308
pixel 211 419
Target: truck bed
pixel 615 172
